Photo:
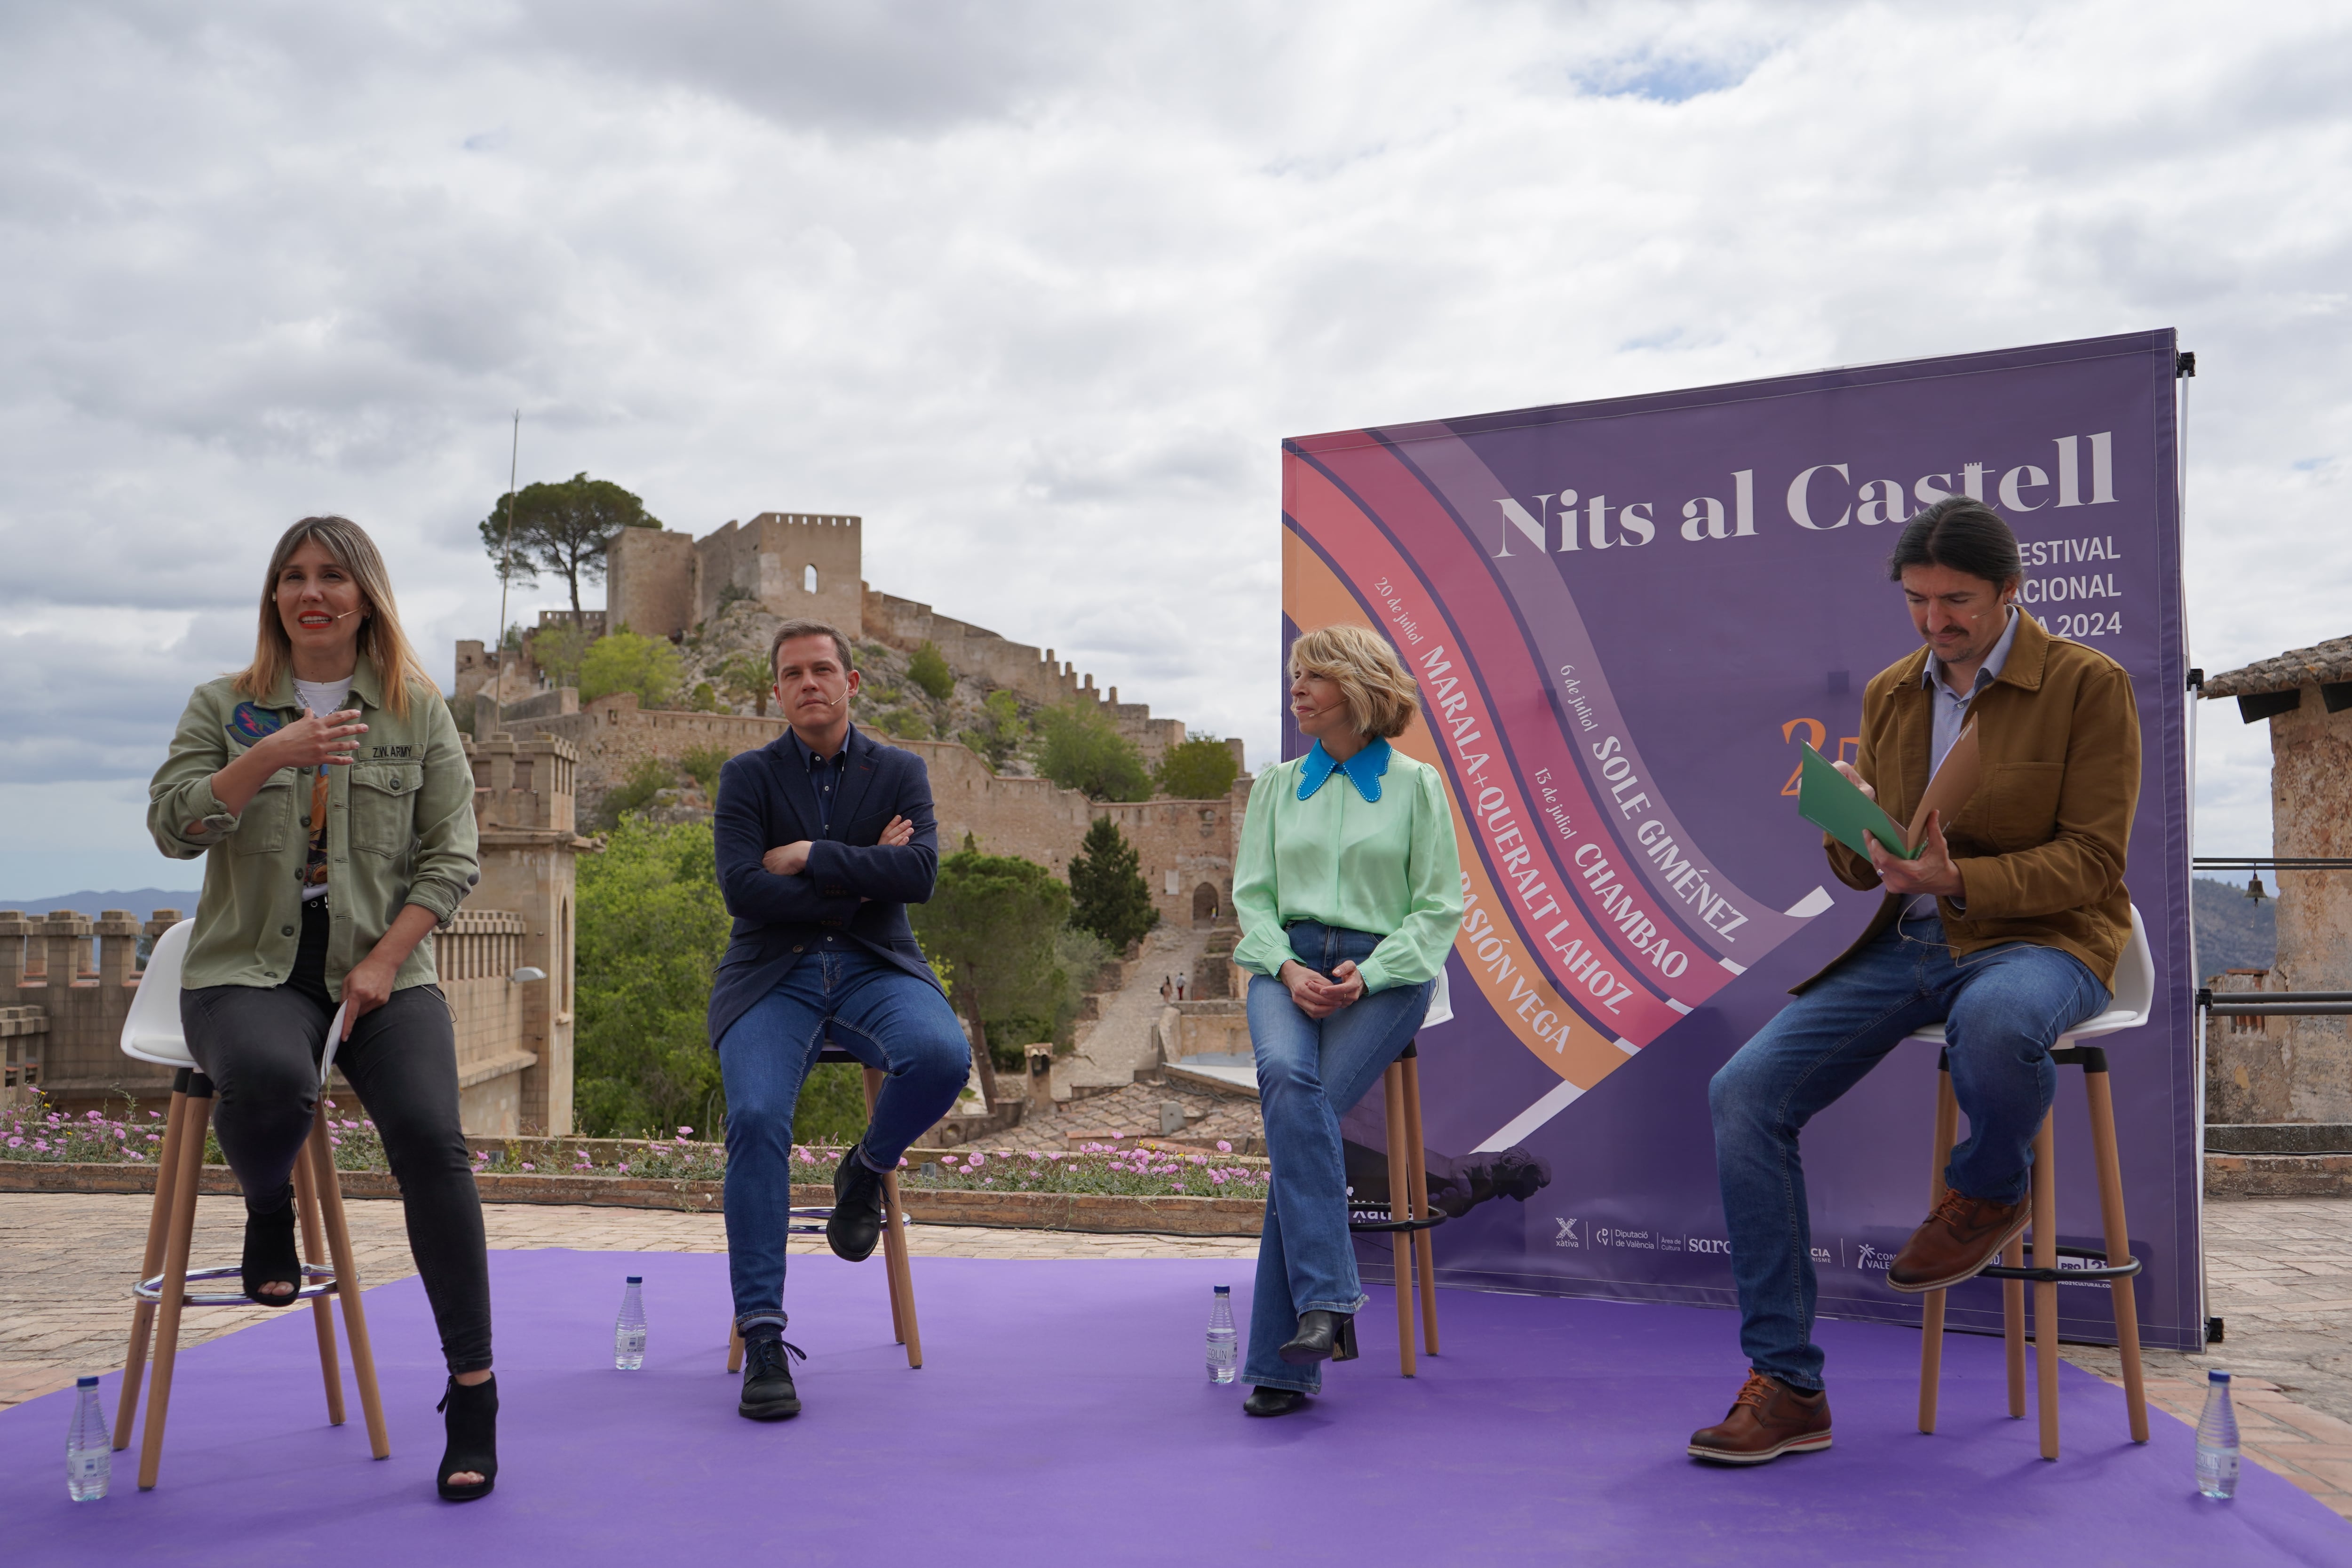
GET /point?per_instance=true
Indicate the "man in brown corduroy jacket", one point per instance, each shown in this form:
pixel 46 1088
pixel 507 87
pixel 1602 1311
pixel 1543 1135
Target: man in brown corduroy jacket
pixel 2006 929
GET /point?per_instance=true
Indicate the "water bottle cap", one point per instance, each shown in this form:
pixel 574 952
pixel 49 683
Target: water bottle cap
pixel 1223 1289
pixel 2217 1376
pixel 86 1382
pixel 636 1278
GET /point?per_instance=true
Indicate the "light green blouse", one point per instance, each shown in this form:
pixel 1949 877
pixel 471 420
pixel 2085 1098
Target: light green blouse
pixel 1388 866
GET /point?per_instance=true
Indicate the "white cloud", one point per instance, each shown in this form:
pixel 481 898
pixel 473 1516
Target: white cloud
pixel 1037 291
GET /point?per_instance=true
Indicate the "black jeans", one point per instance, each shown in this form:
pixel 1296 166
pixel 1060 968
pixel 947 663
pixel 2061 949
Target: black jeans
pixel 260 1046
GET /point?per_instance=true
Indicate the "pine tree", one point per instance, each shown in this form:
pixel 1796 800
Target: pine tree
pixel 1107 894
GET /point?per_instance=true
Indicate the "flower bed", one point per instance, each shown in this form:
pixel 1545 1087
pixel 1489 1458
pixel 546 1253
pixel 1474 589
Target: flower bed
pixel 1115 1168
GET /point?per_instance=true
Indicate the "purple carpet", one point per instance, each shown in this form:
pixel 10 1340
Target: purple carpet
pixel 1062 1417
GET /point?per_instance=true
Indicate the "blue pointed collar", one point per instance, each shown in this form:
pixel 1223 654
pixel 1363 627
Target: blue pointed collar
pixel 1363 769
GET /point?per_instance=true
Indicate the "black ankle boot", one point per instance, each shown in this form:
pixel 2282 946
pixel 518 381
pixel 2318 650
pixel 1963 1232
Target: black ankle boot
pixel 855 1226
pixel 473 1428
pixel 269 1255
pixel 1321 1336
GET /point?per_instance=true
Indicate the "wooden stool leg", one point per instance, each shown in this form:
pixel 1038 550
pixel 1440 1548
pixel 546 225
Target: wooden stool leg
pixel 2045 1296
pixel 902 1273
pixel 1399 1206
pixel 322 1309
pixel 734 1347
pixel 1424 1243
pixel 347 1282
pixel 890 1207
pixel 2013 1328
pixel 1931 1324
pixel 142 1311
pixel 2111 1213
pixel 175 1291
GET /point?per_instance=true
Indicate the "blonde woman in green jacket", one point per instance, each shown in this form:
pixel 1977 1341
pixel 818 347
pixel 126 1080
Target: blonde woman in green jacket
pixel 1349 889
pixel 327 791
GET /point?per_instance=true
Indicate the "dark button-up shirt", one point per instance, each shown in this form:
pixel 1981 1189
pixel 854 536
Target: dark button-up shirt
pixel 824 775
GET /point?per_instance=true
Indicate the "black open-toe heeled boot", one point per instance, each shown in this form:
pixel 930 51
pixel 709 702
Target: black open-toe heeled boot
pixel 270 1255
pixel 473 1426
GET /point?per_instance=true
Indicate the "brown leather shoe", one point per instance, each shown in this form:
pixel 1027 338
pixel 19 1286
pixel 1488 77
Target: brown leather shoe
pixel 1768 1419
pixel 1960 1237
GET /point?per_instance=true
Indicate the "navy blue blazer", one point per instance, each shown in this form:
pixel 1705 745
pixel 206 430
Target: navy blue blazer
pixel 854 888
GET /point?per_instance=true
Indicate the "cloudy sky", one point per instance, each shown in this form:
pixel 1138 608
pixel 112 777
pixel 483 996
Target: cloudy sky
pixel 1037 290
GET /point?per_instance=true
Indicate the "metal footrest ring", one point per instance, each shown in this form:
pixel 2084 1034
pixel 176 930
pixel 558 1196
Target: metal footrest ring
pixel 152 1290
pixel 2105 1271
pixel 1379 1226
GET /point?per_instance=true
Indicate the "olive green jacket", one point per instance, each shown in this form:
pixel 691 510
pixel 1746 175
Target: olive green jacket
pixel 400 830
pixel 2041 843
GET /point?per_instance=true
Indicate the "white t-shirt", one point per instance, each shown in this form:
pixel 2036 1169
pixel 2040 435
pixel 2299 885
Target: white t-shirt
pixel 322 698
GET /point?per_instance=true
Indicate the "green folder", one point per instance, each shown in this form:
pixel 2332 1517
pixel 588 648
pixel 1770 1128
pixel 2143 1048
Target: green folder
pixel 1828 799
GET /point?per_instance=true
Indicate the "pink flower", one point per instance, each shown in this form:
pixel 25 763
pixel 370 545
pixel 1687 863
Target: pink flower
pixel 38 1143
pixel 681 1139
pixel 684 1132
pixel 136 1154
pixel 526 1164
pixel 16 1142
pixel 330 1105
pixel 1223 1147
pixel 978 1160
pixel 154 1116
pixel 92 1116
pixel 622 1168
pixel 335 1141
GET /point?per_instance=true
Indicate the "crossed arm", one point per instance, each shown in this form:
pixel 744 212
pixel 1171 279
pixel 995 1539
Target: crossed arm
pixel 812 882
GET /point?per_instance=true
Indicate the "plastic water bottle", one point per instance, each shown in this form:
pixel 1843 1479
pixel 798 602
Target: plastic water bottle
pixel 90 1449
pixel 2217 1440
pixel 629 1332
pixel 1221 1335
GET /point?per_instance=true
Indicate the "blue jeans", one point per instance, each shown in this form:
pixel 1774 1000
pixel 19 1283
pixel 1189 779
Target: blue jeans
pixel 1310 1072
pixel 2001 1010
pixel 881 1015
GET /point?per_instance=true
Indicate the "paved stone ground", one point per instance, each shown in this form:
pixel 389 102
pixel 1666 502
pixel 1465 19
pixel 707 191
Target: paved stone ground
pixel 1133 1113
pixel 1118 1041
pixel 2279 1275
pixel 2280 1272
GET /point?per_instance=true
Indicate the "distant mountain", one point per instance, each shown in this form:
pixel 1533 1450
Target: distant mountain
pixel 139 901
pixel 2233 932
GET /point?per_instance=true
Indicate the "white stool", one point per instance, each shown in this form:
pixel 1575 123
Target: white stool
pixel 151 1034
pixel 2135 997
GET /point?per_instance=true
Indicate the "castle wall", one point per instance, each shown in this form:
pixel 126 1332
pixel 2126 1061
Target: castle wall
pixel 769 559
pixel 649 581
pixel 524 794
pixel 2299 1070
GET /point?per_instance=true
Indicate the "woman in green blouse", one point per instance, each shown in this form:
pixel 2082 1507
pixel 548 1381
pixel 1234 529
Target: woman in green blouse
pixel 1348 888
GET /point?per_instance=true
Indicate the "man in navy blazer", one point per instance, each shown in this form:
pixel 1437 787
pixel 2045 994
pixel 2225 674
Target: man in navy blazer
pixel 824 837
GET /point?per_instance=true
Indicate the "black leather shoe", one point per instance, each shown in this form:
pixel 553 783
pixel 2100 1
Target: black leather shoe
pixel 855 1225
pixel 768 1390
pixel 1273 1402
pixel 1321 1336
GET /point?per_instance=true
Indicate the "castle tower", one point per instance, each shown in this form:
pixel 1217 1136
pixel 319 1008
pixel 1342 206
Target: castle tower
pixel 649 582
pixel 523 803
pixel 796 564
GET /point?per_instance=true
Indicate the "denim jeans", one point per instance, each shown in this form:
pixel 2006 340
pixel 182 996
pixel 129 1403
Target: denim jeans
pixel 1309 1073
pixel 2001 1010
pixel 881 1015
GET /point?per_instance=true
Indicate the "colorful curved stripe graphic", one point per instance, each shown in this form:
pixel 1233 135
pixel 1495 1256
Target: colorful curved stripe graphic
pixel 1576 867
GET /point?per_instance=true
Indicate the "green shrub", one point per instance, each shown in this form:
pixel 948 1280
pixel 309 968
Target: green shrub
pixel 1079 748
pixel 1001 729
pixel 1199 769
pixel 930 672
pixel 648 779
pixel 652 928
pixel 702 765
pixel 559 649
pixel 625 661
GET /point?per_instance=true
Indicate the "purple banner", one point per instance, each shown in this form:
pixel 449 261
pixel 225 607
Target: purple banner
pixel 1625 617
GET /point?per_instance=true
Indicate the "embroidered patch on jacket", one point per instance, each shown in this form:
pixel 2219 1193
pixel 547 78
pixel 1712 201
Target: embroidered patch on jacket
pixel 250 723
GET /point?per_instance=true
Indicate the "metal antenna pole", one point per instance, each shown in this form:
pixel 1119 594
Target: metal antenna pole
pixel 506 553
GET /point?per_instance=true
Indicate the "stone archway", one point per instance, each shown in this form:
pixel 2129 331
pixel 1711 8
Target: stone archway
pixel 1204 904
